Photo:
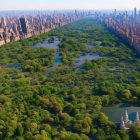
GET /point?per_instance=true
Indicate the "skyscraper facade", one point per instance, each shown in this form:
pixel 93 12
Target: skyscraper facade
pixel 24 25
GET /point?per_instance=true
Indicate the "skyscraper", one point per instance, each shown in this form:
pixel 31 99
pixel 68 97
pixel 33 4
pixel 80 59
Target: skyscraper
pixel 76 13
pixel 3 21
pixel 126 13
pixel 23 23
pixel 115 12
pixel 135 14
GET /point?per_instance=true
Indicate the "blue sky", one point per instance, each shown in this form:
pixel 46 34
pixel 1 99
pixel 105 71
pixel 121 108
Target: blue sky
pixel 68 4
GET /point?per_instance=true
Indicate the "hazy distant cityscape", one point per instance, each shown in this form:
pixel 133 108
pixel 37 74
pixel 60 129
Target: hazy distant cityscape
pixel 15 27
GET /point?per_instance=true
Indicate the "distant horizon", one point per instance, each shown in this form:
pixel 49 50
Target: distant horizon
pixel 69 9
pixel 8 5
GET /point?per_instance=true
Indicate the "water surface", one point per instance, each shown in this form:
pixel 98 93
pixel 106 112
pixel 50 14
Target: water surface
pixel 90 46
pixel 81 59
pixel 56 64
pixel 116 112
pixel 79 31
pixel 16 66
pixel 47 45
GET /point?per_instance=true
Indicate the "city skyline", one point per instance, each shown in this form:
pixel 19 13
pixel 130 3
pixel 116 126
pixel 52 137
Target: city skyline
pixel 13 28
pixel 68 4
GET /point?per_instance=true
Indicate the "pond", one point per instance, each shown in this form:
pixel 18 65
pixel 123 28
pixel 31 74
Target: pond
pixel 105 71
pixel 47 45
pixel 116 112
pixel 100 43
pixel 56 64
pixel 90 45
pixel 81 59
pixel 79 31
pixel 16 66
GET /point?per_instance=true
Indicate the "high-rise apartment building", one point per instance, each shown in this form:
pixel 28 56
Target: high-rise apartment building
pixel 135 14
pixel 24 25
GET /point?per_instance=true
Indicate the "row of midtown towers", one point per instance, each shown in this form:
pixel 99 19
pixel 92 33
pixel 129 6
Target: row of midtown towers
pixel 13 28
pixel 125 24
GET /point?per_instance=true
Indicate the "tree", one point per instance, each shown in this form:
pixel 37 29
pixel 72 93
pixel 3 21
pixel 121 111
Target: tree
pixel 82 126
pixel 123 134
pixel 134 132
pixel 29 127
pixel 100 134
pixel 56 107
pixel 51 39
pixel 84 137
pixel 20 130
pixel 105 99
pixel 65 119
pixel 126 94
pixel 103 119
pixel 87 65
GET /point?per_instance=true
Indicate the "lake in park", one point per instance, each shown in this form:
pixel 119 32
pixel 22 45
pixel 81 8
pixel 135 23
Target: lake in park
pixel 116 112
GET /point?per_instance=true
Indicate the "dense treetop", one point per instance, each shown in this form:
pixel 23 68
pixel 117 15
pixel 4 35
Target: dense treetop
pixel 67 103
